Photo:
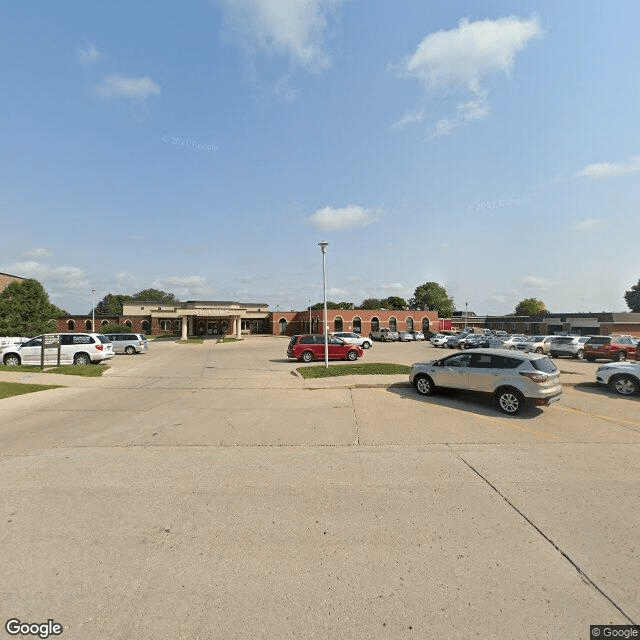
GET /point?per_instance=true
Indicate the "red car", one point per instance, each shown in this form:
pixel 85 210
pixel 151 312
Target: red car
pixel 311 347
pixel 610 348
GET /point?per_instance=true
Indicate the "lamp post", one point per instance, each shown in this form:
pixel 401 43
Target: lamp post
pixel 323 247
pixel 93 310
pixel 310 331
pixel 466 313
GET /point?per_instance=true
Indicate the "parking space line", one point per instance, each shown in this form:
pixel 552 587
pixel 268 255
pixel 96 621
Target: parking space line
pixel 622 421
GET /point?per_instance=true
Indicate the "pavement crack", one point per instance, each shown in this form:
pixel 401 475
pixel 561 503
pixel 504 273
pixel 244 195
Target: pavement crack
pixel 583 574
pixel 355 417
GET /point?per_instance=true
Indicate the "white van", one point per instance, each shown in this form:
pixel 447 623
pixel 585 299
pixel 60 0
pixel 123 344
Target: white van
pixel 75 348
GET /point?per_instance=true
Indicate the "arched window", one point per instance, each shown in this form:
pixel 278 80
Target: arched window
pixel 337 323
pixel 375 324
pixel 409 324
pixel 201 328
pixel 71 325
pixel 357 325
pixel 393 324
pixel 225 326
pixel 425 325
pixel 128 323
pixel 145 326
pixel 87 325
pixel 177 325
pixel 104 323
pixel 282 325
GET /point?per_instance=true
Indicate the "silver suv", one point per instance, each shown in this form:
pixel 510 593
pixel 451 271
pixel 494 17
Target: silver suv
pixel 75 348
pixel 128 343
pixel 384 335
pixel 572 346
pixel 511 377
pixel 353 338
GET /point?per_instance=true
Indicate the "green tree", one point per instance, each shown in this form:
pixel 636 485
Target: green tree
pixel 333 305
pixel 25 310
pixel 531 307
pixel 111 304
pixel 632 298
pixel 431 296
pixel 155 295
pixel 371 303
pixel 394 302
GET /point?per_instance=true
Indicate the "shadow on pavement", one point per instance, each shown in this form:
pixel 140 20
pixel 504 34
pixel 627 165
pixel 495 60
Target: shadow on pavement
pixel 473 403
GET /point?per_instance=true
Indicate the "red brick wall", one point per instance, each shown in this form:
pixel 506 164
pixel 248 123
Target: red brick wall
pixel 631 329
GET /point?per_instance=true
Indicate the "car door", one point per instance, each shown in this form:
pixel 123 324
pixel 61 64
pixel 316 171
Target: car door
pixel 482 373
pixel 453 372
pixel 337 348
pixel 31 350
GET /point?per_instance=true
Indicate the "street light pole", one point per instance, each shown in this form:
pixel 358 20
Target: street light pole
pixel 323 247
pixel 466 313
pixel 310 331
pixel 93 310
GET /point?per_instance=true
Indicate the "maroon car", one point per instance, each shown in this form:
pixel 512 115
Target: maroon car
pixel 311 347
pixel 610 348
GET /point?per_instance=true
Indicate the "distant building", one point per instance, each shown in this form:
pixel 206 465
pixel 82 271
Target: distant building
pixel 6 280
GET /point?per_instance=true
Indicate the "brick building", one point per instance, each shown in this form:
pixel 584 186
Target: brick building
pixel 6 280
pixel 362 321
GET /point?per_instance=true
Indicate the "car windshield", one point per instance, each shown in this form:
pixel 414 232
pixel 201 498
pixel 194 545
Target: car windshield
pixel 104 339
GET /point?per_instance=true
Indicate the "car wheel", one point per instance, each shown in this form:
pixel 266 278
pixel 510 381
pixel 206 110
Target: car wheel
pixel 366 345
pixel 352 355
pixel 81 358
pixel 621 356
pixel 307 356
pixel 580 354
pixel 129 350
pixel 509 401
pixel 590 359
pixel 624 385
pixel 424 385
pixel 11 360
pixel 539 350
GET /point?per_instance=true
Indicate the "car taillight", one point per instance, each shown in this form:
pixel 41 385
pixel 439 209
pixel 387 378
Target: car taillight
pixel 535 376
pixel 99 347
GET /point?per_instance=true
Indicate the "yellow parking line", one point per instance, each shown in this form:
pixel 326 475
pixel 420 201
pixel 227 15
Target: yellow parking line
pixel 597 415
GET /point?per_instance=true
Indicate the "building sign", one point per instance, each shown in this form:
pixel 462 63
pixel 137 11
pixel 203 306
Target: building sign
pixel 50 341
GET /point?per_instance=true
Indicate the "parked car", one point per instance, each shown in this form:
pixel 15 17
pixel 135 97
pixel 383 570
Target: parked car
pixel 610 348
pixel 518 342
pixel 311 347
pixel 418 335
pixel 405 336
pixel 512 378
pixel 439 340
pixel 452 341
pixel 354 338
pixel 477 341
pixel 75 348
pixel 384 335
pixel 128 343
pixel 572 346
pixel 540 344
pixel 621 377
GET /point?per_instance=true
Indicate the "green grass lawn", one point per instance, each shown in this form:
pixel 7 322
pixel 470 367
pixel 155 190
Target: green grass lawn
pixel 369 368
pixel 87 370
pixel 8 389
pixel 191 341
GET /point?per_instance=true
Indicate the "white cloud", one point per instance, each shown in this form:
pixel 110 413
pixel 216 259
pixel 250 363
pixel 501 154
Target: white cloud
pixel 463 59
pixel 293 28
pixel 58 277
pixel 335 292
pixel 38 252
pixel 411 117
pixel 89 54
pixel 350 216
pixel 610 169
pixel 588 225
pixel 392 286
pixel 116 86
pixel 184 286
pixel 538 282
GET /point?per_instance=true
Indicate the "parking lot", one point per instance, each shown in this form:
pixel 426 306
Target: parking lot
pixel 206 491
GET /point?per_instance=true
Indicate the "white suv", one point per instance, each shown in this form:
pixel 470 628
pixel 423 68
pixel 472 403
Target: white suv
pixel 353 338
pixel 75 348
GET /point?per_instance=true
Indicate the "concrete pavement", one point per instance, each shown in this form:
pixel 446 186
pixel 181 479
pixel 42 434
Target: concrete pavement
pixel 203 491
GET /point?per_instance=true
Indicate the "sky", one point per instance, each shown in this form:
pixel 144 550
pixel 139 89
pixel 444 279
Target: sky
pixel 205 148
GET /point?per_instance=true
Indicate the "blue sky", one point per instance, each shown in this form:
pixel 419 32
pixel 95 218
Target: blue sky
pixel 205 148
